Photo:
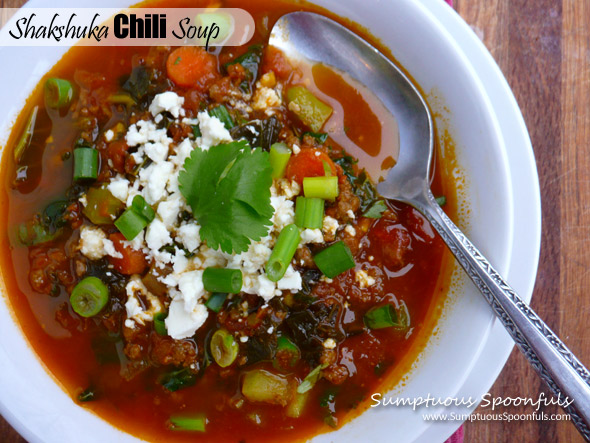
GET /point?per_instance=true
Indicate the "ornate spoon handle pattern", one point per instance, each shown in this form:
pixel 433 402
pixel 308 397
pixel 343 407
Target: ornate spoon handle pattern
pixel 554 362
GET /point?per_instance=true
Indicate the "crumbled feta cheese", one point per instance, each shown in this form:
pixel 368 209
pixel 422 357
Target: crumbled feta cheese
pixel 211 257
pixel 83 200
pixel 296 149
pixel 167 101
pixel 119 187
pixel 284 213
pixel 188 234
pixel 92 242
pixel 154 179
pixel 109 248
pixel 311 236
pixel 286 188
pixel 317 153
pixel 265 98
pixel 291 281
pixel 157 235
pixel 329 343
pixel 364 279
pixel 270 330
pixel 137 243
pixel 213 131
pixel 349 229
pixel 168 210
pixel 350 214
pixel 181 323
pixel 183 151
pixel 135 312
pixel 144 131
pixel 330 225
pixel 244 338
pixel 259 285
pixel 109 135
pixel 156 152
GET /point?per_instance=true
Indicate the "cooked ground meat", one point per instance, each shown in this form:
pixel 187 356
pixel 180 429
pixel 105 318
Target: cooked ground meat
pixel 167 351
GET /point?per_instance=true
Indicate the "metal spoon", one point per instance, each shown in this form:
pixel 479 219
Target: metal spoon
pixel 315 38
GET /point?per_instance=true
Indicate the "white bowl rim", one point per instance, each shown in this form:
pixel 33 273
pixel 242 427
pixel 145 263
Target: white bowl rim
pixel 522 169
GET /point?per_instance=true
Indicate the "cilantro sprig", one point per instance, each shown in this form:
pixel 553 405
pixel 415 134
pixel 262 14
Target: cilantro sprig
pixel 228 189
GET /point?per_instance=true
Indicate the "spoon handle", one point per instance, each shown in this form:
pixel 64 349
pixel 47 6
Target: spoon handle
pixel 556 364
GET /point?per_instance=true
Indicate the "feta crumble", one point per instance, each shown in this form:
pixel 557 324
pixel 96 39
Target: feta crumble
pixel 95 245
pixel 364 279
pixel 330 226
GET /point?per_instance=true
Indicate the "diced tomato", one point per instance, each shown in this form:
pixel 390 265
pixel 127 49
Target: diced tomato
pixel 308 163
pixel 394 240
pixel 192 66
pixel 132 262
pixel 274 60
pixel 116 153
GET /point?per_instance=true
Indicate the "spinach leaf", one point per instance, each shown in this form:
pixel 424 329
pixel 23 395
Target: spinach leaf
pixel 178 379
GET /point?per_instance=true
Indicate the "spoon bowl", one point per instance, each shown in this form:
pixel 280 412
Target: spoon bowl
pixel 313 38
pixel 298 34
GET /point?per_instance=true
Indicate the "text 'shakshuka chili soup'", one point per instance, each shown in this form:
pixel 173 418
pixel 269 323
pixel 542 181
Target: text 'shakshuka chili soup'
pixel 193 250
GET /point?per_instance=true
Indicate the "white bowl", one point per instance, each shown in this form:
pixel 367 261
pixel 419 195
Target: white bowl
pixel 464 358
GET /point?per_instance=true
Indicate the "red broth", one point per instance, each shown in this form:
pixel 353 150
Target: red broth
pixel 80 354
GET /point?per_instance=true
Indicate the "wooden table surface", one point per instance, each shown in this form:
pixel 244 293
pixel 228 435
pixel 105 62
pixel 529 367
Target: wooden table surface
pixel 543 48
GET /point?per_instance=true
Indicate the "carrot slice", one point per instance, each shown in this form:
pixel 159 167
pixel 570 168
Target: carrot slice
pixel 308 163
pixel 191 66
pixel 132 262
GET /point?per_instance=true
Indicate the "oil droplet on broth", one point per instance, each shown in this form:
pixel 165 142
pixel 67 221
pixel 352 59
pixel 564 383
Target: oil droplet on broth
pixel 360 123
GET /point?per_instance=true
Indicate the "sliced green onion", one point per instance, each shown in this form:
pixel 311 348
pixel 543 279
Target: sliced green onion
pixel 442 200
pixel 25 139
pixel 159 323
pixel 283 252
pixel 58 93
pixel 311 379
pixel 334 260
pixel 85 164
pixel 140 206
pixel 381 317
pixel 89 297
pixel 327 169
pixel 188 423
pixel 376 210
pixel 309 212
pixel 224 348
pixel 279 157
pixel 321 187
pixel 222 114
pixel 215 301
pixel 222 280
pixel 287 354
pixel 130 224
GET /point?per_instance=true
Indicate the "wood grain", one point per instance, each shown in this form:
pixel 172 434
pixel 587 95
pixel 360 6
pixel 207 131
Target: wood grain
pixel 543 48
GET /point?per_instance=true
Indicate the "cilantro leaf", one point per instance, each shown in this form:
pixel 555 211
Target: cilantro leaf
pixel 228 189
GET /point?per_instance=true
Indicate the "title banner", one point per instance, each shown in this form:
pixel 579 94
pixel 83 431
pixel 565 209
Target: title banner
pixel 127 27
